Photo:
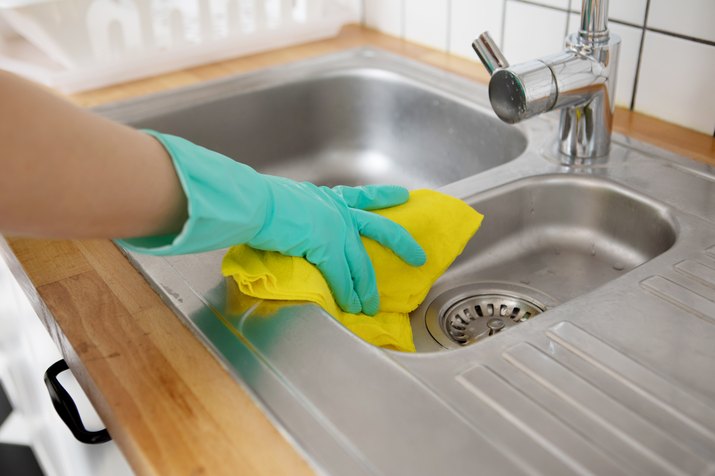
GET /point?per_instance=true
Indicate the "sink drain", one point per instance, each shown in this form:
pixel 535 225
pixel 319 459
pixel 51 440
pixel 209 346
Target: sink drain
pixel 472 313
pixel 480 316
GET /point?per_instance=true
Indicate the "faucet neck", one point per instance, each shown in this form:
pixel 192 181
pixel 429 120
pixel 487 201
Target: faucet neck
pixel 594 21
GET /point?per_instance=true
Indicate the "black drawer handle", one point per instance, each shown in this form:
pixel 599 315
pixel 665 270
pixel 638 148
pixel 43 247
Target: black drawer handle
pixel 66 408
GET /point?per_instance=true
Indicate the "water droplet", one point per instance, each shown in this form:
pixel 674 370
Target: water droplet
pixel 593 249
pixel 618 266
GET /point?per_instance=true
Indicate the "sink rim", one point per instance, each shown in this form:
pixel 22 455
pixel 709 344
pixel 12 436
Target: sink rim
pixel 424 76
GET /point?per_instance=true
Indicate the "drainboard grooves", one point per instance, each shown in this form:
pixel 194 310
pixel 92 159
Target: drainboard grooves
pixel 698 270
pixel 681 296
pixel 684 416
pixel 547 431
pixel 660 453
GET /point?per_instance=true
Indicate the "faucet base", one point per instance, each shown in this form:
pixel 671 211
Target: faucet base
pixel 586 124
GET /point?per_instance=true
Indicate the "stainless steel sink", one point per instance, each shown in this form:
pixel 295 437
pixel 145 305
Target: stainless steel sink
pixel 337 123
pixel 596 285
pixel 545 240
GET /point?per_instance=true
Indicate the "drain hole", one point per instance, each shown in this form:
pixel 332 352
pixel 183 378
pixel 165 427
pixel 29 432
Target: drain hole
pixel 463 327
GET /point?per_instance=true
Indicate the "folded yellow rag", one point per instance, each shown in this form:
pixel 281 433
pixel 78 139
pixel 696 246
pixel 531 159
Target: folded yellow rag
pixel 441 224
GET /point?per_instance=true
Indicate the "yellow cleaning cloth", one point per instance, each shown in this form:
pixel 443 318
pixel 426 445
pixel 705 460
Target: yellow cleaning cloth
pixel 441 224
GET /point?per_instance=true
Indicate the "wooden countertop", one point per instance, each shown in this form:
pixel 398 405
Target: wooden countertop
pixel 170 406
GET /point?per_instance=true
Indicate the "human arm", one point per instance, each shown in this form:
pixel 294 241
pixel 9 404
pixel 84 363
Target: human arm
pixel 67 173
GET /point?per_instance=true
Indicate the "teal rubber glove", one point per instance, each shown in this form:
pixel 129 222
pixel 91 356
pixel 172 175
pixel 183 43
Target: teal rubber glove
pixel 229 203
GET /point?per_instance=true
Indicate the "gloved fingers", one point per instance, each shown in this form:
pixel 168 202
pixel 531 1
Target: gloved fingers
pixel 372 197
pixel 363 274
pixel 391 235
pixel 336 271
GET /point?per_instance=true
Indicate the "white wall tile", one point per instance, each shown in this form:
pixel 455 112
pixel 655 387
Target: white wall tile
pixel 628 60
pixel 532 31
pixel 469 19
pixel 631 11
pixel 573 23
pixel 682 94
pixel 694 18
pixel 426 22
pixel 384 15
pixel 355 7
pixel 5 29
pixel 553 3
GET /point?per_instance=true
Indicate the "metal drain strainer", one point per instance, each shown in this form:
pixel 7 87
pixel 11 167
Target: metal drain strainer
pixel 471 313
pixel 476 317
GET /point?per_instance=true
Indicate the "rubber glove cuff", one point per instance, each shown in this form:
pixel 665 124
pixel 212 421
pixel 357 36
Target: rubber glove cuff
pixel 208 178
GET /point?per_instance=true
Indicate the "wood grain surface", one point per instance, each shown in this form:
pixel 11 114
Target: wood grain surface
pixel 166 401
pixel 170 406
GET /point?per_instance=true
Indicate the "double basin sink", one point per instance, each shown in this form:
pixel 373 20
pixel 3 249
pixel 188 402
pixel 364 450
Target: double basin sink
pixel 608 270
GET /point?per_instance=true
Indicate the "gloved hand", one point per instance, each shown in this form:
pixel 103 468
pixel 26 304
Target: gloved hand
pixel 230 203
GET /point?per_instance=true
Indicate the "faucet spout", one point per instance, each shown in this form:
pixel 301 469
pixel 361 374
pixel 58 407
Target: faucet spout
pixel 580 81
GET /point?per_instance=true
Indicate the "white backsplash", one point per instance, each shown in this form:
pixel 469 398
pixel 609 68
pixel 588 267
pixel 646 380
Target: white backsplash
pixel 669 72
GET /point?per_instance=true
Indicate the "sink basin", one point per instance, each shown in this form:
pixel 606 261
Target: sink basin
pixel 347 124
pixel 544 241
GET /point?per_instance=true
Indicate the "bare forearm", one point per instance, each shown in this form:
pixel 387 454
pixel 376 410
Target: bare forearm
pixel 65 172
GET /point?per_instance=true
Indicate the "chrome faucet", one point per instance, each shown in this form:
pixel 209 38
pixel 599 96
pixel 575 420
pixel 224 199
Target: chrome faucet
pixel 581 81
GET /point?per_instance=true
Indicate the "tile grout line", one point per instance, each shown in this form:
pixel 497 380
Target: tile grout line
pixel 636 78
pixel 568 15
pixel 571 10
pixel 550 7
pixel 623 22
pixel 682 37
pixel 502 36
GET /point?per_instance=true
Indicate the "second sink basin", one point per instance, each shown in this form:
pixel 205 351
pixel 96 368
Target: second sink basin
pixel 544 241
pixel 337 123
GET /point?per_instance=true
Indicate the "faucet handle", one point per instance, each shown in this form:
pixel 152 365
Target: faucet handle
pixel 516 92
pixel 490 54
